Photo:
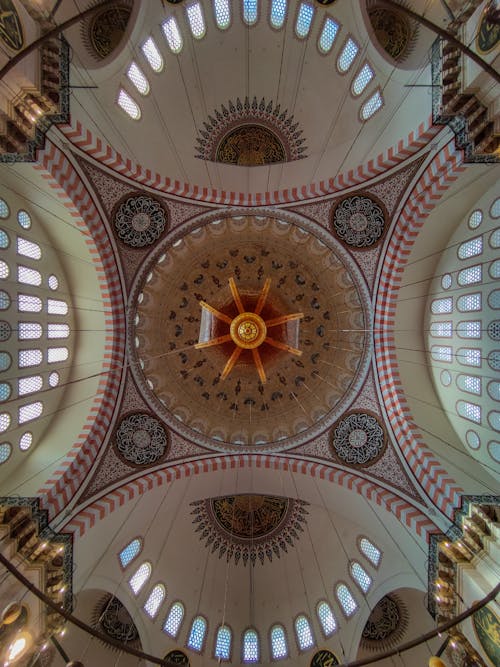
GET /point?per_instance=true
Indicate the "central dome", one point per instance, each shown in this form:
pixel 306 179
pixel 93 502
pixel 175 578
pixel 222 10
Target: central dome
pixel 249 331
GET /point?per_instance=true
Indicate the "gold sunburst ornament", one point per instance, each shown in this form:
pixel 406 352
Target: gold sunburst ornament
pixel 248 330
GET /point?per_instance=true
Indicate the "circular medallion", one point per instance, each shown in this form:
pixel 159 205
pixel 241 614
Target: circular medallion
pixel 392 30
pixel 5 330
pixel 140 221
pixel 141 439
pixel 386 624
pixel 324 657
pixel 107 28
pixel 358 221
pixel 237 332
pixel 113 619
pixel 358 439
pixel 176 657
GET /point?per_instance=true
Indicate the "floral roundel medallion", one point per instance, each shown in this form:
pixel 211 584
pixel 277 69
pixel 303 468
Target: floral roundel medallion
pixel 140 221
pixel 358 439
pixel 249 331
pixel 358 221
pixel 141 439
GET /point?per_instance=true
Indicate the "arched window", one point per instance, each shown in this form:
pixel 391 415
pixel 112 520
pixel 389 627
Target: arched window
pixel 372 105
pixel 346 600
pixel 128 105
pixel 250 12
pixel 223 643
pixel 362 79
pixel 172 34
pixel 152 55
pixel 129 552
pixel 471 384
pixel 196 20
pixel 471 248
pixel 441 353
pixel 471 275
pixel 470 411
pixel 303 23
pixel 469 302
pixel 360 576
pixel 442 306
pixel 138 78
pixel 154 601
pixel 327 35
pixel 303 633
pixel 442 329
pixel 347 56
pixel 139 578
pixel 277 14
pixel 174 619
pixel 251 646
pixel 370 551
pixel 326 618
pixel 279 646
pixel 197 634
pixel 222 11
pixel 469 329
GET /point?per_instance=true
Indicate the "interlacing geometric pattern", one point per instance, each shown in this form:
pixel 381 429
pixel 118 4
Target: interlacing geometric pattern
pixel 358 221
pixel 112 619
pixel 358 439
pixel 139 221
pixel 386 624
pixel 141 439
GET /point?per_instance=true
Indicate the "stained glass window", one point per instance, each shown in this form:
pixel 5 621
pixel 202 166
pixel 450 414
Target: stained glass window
pixel 197 634
pixel 250 11
pixel 251 650
pixel 28 412
pixel 173 34
pixel 30 384
pixel 55 354
pixel 27 358
pixel 346 600
pixel 4 270
pixel 155 598
pixel 278 13
pixel 441 353
pixel 223 643
pixel 28 276
pixel 279 647
pixel 326 619
pixel 469 302
pixel 470 248
pixel 58 331
pixel 4 209
pixel 442 306
pixel 328 34
pixel 469 329
pixel 475 219
pixel 370 551
pixel 469 356
pixel 5 451
pixel 139 578
pixel 469 411
pixel 442 329
pixel 24 219
pixel 29 330
pixel 469 383
pixel 174 619
pixel 372 105
pixel 347 55
pixel 304 19
pixel 28 303
pixel 360 576
pixel 303 633
pixel 473 274
pixel 25 441
pixel 57 307
pixel 131 551
pixel 495 238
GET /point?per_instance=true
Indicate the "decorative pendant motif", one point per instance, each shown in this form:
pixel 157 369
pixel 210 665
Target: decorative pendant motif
pixel 250 134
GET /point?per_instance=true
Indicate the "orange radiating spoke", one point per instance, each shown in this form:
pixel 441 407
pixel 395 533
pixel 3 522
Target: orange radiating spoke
pixel 284 318
pixel 231 362
pixel 262 297
pixel 258 364
pixel 214 341
pixel 283 346
pixel 236 295
pixel 217 313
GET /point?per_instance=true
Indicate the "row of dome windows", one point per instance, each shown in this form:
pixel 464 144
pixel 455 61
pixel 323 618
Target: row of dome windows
pixel 250 14
pixel 477 302
pixel 251 651
pixel 30 357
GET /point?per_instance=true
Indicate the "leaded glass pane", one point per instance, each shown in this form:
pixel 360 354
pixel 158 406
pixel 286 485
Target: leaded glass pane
pixel 131 551
pixel 469 383
pixel 222 10
pixel 250 646
pixel 278 13
pixel 328 35
pixel 4 421
pixel 441 353
pixel 470 248
pixel 347 56
pixel 152 55
pixel 442 306
pixel 223 643
pixel 5 451
pixel 369 550
pixel 24 219
pixel 442 329
pixel 57 331
pixel 196 20
pixel 197 634
pixel 304 19
pixel 155 598
pixel 475 219
pixel 29 412
pixel 57 307
pixel 4 209
pixel 28 276
pixel 250 11
pixel 28 248
pixel 494 299
pixel 55 354
pixel 473 274
pixel 469 356
pixel 29 330
pixel 469 411
pixel 28 303
pixel 372 105
pixel 174 619
pixel 25 441
pixel 494 390
pixel 469 302
pixel 346 600
pixel 279 648
pixel 303 632
pixel 362 79
pixel 30 384
pixel 27 358
pixel 128 105
pixel 361 576
pixel 327 619
pixel 4 239
pixel 138 78
pixel 495 238
pixel 172 34
pixel 4 269
pixel 139 578
pixel 469 329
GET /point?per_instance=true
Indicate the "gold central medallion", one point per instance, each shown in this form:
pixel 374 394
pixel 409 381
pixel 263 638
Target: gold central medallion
pixel 248 330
